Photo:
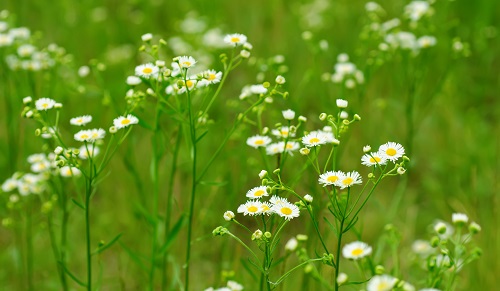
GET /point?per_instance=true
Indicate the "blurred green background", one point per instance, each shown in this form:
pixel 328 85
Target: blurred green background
pixel 454 146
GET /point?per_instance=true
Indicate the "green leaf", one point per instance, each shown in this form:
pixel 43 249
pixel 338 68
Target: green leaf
pixel 104 247
pixel 78 203
pixel 201 136
pixel 173 234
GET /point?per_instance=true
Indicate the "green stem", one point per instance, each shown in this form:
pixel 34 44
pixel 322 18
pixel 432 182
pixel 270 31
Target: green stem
pixel 88 193
pixel 339 242
pixel 29 244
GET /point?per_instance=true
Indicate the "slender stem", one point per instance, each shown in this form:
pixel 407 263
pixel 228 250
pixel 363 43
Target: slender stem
pixel 29 244
pixel 87 233
pixel 339 242
pixel 193 186
pixel 168 211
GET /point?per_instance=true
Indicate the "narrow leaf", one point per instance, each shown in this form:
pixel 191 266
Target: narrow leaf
pixel 104 247
pixel 78 203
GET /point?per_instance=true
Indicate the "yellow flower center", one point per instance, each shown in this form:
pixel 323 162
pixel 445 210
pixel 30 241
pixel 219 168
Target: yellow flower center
pixel 147 70
pixel 259 142
pixel 332 179
pixel 211 77
pixel 95 135
pixel 187 64
pixel 79 120
pixel 382 286
pixel 347 181
pixel 84 136
pixel 374 160
pixel 253 209
pixel 265 208
pixel 68 172
pixel 284 132
pixel 289 146
pixel 356 252
pixel 189 83
pixel 314 140
pixel 259 193
pixel 235 39
pixel 125 121
pixel 286 211
pixel 391 152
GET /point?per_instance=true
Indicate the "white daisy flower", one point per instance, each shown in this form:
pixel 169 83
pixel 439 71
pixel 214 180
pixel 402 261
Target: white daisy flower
pixel 266 208
pixel 133 81
pixel 279 147
pixel 97 133
pixel 80 120
pixel 228 215
pixel 422 247
pixel 147 70
pixel 356 250
pixel 6 39
pixel 44 104
pixel 373 159
pixel 291 244
pixel 381 283
pixel 83 135
pixel 275 200
pixel 251 207
pixel 257 192
pixel 286 210
pixel 315 138
pixel 40 167
pixel 185 61
pixel 282 132
pixel 391 151
pixel 235 39
pixel 212 76
pixel 124 121
pixel 349 179
pixel 9 185
pixel 234 286
pixel 258 141
pixel 68 171
pixel 92 151
pixel 330 178
pixel 37 158
pixel 90 135
pixel 426 41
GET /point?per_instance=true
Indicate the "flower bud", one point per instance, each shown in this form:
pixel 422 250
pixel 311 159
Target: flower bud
pixel 267 234
pixel 379 270
pixel 27 100
pixel 280 80
pixel 322 116
pixel 262 174
pixel 401 170
pixel 459 219
pixel 228 215
pixel 147 37
pixel 367 149
pixel 257 234
pixel 342 278
pixel 291 244
pixel 440 228
pixel 304 151
pixel 474 228
pixel 341 103
pixel 58 150
pixel 308 198
pixel 288 114
pixel 357 117
pixel 344 115
pixel 245 54
pixel 302 118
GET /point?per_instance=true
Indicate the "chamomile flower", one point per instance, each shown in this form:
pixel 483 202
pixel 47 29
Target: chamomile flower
pixel 40 167
pixel 349 179
pixel 185 61
pixel 90 135
pixel 283 132
pixel 459 218
pixel 356 250
pixel 258 141
pixel 330 178
pixel 315 138
pixel 9 184
pixel 257 192
pixel 82 135
pixel 251 207
pixel 147 70
pixel 422 248
pixel 228 215
pixel 68 171
pixel 279 147
pixel 212 76
pixel 373 159
pixel 288 114
pixel 266 208
pixel 235 39
pixel 44 104
pixel 96 134
pixel 84 154
pixel 37 158
pixel 124 121
pixel 275 200
pixel 286 210
pixel 391 151
pixel 80 120
pixel 381 283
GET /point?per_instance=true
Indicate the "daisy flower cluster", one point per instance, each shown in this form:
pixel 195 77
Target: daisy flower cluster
pixel 340 179
pixel 21 51
pixel 388 152
pixel 346 73
pixel 391 36
pixel 276 205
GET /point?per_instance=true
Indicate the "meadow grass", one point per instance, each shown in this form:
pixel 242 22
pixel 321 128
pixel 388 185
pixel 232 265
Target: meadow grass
pixel 173 177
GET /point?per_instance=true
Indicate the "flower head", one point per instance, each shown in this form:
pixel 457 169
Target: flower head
pixel 373 159
pixel 212 76
pixel 147 70
pixel 381 283
pixel 124 121
pixel 235 39
pixel 286 210
pixel 356 250
pixel 44 104
pixel 459 218
pixel 81 120
pixel 251 207
pixel 288 114
pixel 258 141
pixel 391 151
pixel 186 61
pixel 330 178
pixel 315 138
pixel 228 215
pixel 257 192
pixel 68 171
